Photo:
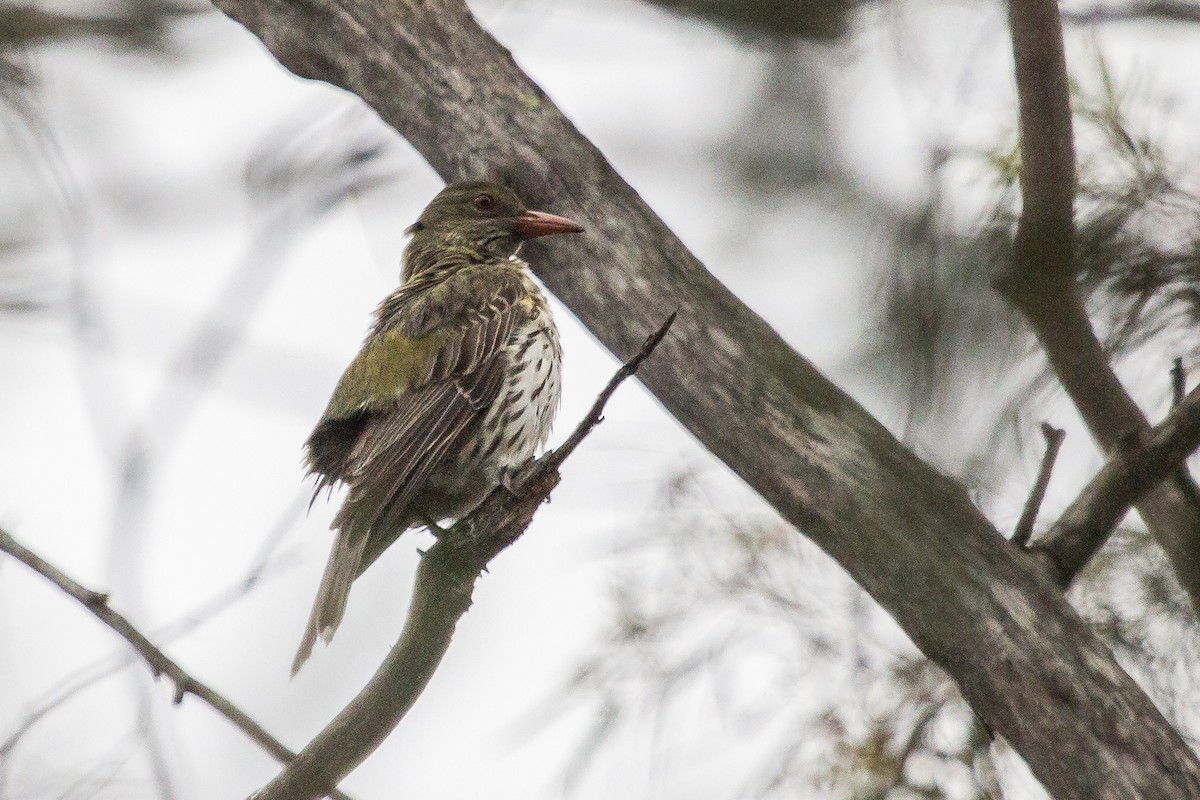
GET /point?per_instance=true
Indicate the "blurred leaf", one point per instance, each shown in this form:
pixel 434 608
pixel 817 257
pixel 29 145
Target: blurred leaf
pixel 741 610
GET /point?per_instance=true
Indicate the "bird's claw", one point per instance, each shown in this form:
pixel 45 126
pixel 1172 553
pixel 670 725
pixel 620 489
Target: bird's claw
pixel 513 478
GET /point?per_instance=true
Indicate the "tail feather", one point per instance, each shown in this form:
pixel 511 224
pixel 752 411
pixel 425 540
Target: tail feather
pixel 343 567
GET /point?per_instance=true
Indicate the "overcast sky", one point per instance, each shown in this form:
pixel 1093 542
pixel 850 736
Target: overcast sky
pixel 159 224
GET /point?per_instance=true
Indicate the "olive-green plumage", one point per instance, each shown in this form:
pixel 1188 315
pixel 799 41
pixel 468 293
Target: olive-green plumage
pixel 457 381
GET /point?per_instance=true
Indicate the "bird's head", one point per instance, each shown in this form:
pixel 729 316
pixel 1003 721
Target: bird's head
pixel 478 220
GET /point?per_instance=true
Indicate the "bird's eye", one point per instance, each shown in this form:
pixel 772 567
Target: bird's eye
pixel 484 202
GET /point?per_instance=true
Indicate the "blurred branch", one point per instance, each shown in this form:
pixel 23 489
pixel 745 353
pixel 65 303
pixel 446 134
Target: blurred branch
pixel 264 565
pixel 138 24
pixel 1045 232
pixel 1054 439
pixel 1130 471
pixel 442 593
pixel 1164 10
pixel 820 20
pixel 1042 280
pixel 156 659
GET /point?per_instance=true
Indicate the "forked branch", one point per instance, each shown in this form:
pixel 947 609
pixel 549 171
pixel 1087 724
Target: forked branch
pixel 1129 473
pixel 1042 281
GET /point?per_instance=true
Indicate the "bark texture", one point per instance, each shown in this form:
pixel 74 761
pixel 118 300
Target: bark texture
pixel 975 605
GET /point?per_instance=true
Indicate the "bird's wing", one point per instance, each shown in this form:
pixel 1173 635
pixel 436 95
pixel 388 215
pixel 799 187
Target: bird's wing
pixel 440 385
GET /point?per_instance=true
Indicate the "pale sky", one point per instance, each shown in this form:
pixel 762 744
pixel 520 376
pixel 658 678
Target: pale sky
pixel 151 151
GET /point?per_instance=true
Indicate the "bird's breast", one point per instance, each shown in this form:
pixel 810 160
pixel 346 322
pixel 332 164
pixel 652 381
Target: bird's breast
pixel 519 421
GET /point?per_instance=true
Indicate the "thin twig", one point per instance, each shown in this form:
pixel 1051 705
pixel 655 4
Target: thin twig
pixel 91 674
pixel 156 659
pixel 1054 439
pixel 556 457
pixel 1178 382
pixel 442 591
pixel 1183 476
pixel 1087 523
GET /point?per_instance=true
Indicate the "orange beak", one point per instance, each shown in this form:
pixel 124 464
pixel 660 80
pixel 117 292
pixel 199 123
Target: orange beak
pixel 532 224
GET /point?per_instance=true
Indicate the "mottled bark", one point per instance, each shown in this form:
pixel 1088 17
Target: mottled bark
pixel 975 605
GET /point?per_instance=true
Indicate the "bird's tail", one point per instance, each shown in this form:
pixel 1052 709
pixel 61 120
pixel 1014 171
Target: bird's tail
pixel 330 605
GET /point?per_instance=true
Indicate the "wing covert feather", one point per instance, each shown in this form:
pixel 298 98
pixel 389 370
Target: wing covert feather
pixel 409 433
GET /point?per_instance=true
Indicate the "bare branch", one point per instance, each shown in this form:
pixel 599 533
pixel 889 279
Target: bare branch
pixel 156 659
pixel 1054 439
pixel 90 674
pixel 1042 283
pixel 1089 521
pixel 442 592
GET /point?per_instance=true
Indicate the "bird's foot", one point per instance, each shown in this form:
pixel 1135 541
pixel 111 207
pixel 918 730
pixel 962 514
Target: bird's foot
pixel 513 478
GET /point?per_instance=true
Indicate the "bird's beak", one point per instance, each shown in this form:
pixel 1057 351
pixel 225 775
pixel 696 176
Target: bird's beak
pixel 532 224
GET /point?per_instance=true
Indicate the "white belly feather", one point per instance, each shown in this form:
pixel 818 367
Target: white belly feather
pixel 519 420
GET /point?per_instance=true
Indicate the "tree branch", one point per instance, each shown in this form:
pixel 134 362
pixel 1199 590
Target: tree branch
pixel 1088 522
pixel 156 659
pixel 1178 382
pixel 1042 281
pixel 442 592
pixel 1165 10
pixel 1046 230
pixel 1054 439
pixel 972 603
pixel 822 20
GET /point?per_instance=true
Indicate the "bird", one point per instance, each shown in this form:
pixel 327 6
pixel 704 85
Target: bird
pixel 455 387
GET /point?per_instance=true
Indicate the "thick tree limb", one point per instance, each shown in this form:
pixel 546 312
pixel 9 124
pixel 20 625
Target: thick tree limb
pixel 978 607
pixel 158 661
pixel 1042 282
pixel 1130 471
pixel 442 592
